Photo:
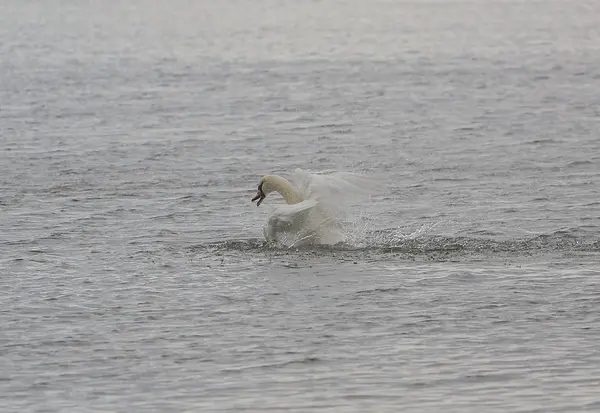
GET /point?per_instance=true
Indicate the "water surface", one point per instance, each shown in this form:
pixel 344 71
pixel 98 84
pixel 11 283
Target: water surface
pixel 134 273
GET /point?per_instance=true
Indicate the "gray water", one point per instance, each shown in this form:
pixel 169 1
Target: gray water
pixel 134 274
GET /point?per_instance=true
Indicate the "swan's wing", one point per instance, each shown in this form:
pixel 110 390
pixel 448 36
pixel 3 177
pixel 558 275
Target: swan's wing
pixel 333 187
pixel 289 219
pixel 289 213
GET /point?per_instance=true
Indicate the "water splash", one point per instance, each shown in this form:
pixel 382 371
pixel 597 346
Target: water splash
pixel 418 243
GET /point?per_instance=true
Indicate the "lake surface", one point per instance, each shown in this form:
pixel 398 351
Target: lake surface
pixel 133 271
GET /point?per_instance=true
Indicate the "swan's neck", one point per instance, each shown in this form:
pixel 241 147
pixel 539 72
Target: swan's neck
pixel 285 189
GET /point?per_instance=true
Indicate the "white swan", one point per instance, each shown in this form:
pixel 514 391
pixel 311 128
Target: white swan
pixel 314 207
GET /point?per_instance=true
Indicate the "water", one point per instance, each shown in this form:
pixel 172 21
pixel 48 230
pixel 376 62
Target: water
pixel 134 274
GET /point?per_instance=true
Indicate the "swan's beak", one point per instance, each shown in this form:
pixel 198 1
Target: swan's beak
pixel 260 196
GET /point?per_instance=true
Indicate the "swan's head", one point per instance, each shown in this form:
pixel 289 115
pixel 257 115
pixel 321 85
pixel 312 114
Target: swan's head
pixel 274 183
pixel 264 187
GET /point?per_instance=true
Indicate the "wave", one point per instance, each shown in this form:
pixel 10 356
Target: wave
pixel 389 242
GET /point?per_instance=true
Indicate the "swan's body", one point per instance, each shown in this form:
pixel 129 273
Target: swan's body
pixel 314 206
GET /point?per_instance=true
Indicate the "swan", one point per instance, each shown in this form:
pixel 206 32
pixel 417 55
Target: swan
pixel 314 208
